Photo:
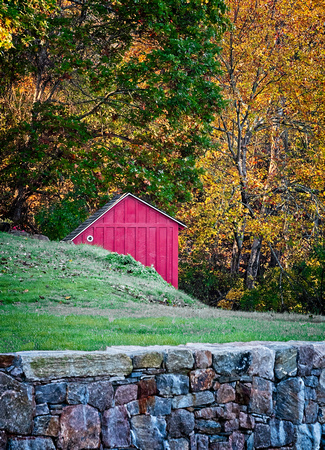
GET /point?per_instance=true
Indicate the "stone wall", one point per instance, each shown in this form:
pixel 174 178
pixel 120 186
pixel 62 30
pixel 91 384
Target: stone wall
pixel 193 397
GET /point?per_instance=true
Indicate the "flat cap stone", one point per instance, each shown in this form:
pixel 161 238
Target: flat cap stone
pixel 44 365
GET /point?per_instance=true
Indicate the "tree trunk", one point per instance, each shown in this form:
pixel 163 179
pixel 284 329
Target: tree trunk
pixel 253 263
pixel 17 205
pixel 236 251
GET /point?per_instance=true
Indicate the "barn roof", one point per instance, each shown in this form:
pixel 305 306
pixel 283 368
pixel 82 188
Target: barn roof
pixel 116 199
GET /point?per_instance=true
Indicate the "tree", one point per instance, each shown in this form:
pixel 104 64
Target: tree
pixel 264 187
pixel 105 96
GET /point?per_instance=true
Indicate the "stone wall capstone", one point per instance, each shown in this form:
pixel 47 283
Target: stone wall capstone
pixel 257 395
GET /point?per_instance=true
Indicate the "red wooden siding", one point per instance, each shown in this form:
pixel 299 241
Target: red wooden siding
pixel 132 227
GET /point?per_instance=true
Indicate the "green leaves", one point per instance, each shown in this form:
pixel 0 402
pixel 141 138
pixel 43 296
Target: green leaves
pixel 107 96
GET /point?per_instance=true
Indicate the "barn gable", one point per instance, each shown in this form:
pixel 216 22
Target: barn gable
pixel 129 225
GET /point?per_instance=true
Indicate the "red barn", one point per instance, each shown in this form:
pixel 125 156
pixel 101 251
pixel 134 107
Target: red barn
pixel 129 225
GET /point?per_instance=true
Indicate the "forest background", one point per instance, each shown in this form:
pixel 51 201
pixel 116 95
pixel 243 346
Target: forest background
pixel 212 111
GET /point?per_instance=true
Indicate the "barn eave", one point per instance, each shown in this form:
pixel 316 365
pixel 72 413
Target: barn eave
pixel 98 214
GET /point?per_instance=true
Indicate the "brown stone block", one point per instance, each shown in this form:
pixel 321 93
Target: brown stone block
pixel 237 441
pixel 79 428
pixel 225 394
pixel 201 379
pixel 246 421
pixel 203 359
pixel 6 360
pixel 207 413
pixel 243 393
pixel 147 387
pixel 126 393
pixel 231 425
pixel 261 396
pixel 231 411
pixel 46 426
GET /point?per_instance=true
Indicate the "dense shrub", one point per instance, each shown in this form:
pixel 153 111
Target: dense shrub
pixel 300 288
pixel 61 217
pixel 202 281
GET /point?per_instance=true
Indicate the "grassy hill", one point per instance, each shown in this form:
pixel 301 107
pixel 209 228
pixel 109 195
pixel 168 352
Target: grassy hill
pixel 62 296
pixel 78 275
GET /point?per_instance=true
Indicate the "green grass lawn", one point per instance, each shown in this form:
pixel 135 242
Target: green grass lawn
pixel 55 296
pixel 32 331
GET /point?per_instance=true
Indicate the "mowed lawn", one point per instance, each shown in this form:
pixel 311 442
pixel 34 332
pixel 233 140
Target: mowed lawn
pixel 56 296
pixel 34 331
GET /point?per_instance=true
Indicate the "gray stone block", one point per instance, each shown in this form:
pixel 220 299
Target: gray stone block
pixel 179 359
pixel 29 443
pixel 116 428
pixel 203 398
pixel 320 391
pixel 282 433
pixel 77 393
pixel 42 409
pixel 51 393
pixel 169 384
pixel 209 427
pixel 230 361
pixel 157 406
pixel 311 381
pixel 3 440
pixel 262 436
pixel 180 423
pixel 319 355
pixel 199 442
pixel 100 395
pixel 148 432
pixel 178 444
pixel 46 426
pixel 290 400
pixel 16 405
pixel 133 408
pixel 286 362
pixel 183 401
pixel 308 437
